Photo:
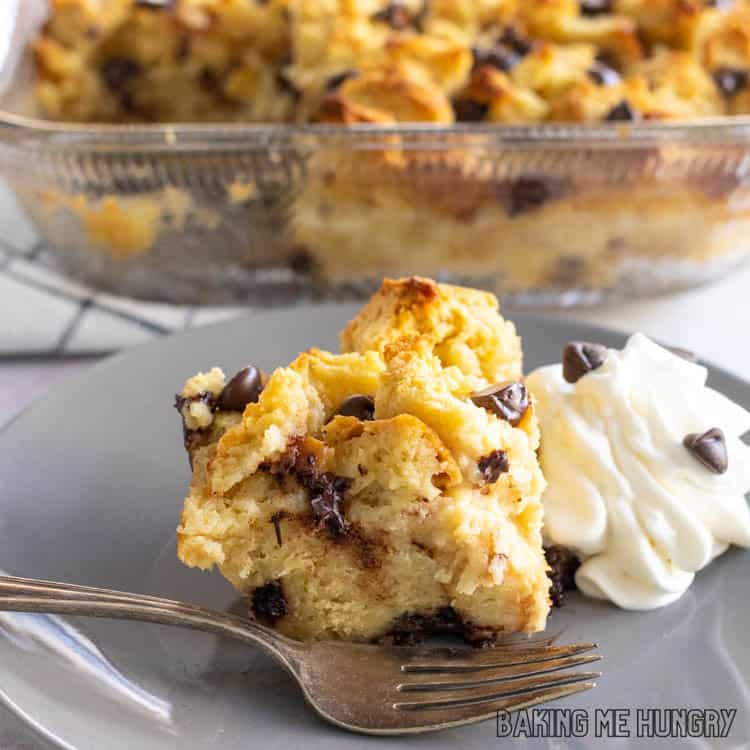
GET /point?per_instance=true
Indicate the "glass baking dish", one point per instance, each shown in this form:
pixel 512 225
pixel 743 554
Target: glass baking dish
pixel 543 215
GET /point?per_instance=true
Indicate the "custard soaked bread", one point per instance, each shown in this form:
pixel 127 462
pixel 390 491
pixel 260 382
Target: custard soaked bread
pixel 385 490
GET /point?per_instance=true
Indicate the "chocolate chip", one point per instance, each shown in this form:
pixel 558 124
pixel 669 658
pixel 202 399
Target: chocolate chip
pixel 118 71
pixel 530 193
pixel 467 110
pixel 500 56
pixel 326 494
pixel 493 465
pixel 154 4
pixel 683 353
pixel 335 81
pixel 730 80
pixel 325 491
pixel 421 15
pixel 396 15
pixel 581 357
pixel 243 389
pixel 507 51
pixel 595 7
pixel 276 521
pixel 180 403
pixel 286 84
pixel 269 602
pixel 602 74
pixel 710 448
pixel 206 397
pixel 509 401
pixel 513 40
pixel 622 112
pixel 301 260
pixel 563 564
pixel 297 460
pixel 209 80
pixel 358 406
pixel 410 629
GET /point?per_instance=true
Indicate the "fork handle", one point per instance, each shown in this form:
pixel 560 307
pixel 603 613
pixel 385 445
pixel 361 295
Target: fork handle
pixel 50 597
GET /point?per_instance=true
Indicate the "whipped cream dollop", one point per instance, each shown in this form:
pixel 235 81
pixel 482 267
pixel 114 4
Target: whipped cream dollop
pixel 641 511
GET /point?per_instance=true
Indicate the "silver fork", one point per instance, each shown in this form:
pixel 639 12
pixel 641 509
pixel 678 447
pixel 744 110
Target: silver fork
pixel 363 688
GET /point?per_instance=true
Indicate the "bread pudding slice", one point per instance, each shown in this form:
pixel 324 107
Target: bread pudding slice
pixel 391 489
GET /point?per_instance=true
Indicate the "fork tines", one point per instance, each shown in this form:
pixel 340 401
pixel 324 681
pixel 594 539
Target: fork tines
pixel 455 685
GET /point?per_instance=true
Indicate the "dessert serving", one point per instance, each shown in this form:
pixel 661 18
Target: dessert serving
pixel 647 472
pixel 575 179
pixel 389 490
pixel 395 489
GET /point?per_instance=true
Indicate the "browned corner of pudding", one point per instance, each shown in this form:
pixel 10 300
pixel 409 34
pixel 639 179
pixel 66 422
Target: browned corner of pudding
pixel 462 325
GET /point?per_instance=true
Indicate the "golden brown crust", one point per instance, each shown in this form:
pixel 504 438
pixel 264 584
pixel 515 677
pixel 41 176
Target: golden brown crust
pixel 352 62
pixel 460 324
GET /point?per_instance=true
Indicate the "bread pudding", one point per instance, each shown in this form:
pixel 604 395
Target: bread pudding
pixel 389 490
pixel 374 61
pixel 526 215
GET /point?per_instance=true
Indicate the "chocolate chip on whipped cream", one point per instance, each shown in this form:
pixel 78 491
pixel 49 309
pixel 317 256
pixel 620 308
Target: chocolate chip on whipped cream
pixel 243 389
pixel 710 448
pixel 509 401
pixel 580 358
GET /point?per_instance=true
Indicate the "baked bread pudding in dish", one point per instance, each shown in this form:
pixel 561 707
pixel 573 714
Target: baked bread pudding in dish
pixel 540 213
pixel 646 467
pixel 374 61
pixel 392 489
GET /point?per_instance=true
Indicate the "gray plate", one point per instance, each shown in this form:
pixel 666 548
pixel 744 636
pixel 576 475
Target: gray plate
pixel 91 483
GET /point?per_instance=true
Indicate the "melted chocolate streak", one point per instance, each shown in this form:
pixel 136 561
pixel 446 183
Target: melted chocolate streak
pixel 325 490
